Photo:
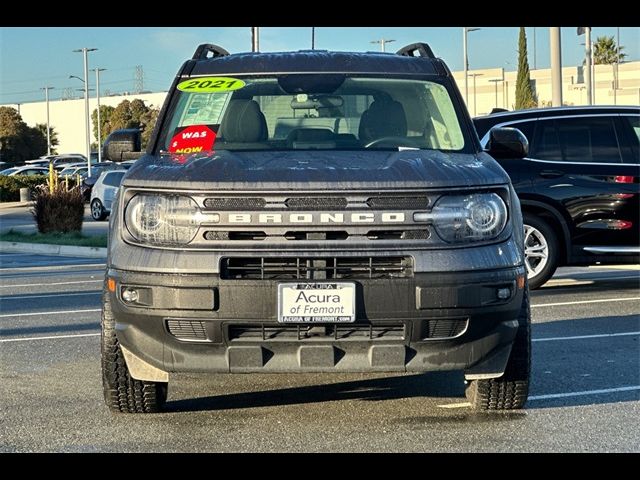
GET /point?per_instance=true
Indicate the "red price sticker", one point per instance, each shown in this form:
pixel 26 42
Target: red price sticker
pixel 193 139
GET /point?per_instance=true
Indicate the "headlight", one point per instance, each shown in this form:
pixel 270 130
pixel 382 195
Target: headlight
pixel 162 219
pixel 469 218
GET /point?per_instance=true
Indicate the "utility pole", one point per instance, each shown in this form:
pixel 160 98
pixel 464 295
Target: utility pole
pixel 86 106
pixel 98 70
pixel 556 66
pixel 382 42
pixel 46 99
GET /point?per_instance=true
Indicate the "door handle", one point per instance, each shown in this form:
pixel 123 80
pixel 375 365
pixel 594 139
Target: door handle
pixel 551 173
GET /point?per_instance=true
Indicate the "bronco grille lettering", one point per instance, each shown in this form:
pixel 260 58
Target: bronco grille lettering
pixel 310 218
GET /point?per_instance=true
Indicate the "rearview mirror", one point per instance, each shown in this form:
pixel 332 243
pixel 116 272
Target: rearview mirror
pixel 507 142
pixel 122 145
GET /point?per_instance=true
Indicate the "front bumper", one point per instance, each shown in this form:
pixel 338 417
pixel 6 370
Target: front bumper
pixel 201 323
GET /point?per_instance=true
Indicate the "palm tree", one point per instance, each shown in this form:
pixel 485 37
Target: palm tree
pixel 604 51
pixel 42 128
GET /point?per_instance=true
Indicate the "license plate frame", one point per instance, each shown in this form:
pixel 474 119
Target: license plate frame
pixel 316 297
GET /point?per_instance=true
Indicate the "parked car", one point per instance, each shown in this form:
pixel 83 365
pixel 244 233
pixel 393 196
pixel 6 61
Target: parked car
pixel 73 170
pixel 103 193
pixel 25 170
pixel 578 186
pixel 375 235
pixel 96 170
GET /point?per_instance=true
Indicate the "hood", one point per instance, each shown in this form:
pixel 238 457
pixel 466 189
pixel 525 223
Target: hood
pixel 326 169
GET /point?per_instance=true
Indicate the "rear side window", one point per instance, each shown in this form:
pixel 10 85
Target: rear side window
pixel 547 145
pixel 587 139
pixel 113 179
pixel 634 134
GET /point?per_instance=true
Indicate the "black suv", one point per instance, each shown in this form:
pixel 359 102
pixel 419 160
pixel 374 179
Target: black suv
pixel 315 211
pixel 578 186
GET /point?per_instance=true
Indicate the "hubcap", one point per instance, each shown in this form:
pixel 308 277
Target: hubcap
pixel 536 251
pixel 95 209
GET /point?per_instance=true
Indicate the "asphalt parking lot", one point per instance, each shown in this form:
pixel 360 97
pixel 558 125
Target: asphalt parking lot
pixel 585 393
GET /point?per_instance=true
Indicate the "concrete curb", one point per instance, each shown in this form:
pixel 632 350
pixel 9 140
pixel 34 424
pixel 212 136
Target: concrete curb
pixel 48 249
pixel 4 205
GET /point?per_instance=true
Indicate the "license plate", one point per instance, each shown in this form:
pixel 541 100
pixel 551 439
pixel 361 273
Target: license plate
pixel 316 302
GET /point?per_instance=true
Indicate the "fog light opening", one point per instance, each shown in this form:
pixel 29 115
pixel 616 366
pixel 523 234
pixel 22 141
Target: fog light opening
pixel 130 295
pixel 503 293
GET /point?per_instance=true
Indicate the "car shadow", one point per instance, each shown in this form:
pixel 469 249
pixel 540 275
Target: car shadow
pixel 436 384
pixel 568 368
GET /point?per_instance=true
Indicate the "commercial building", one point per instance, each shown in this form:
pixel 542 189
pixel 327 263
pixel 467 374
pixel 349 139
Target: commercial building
pixel 488 89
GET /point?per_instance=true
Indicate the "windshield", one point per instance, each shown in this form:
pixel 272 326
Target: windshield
pixel 310 111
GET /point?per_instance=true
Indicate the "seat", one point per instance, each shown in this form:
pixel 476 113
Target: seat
pixel 383 118
pixel 243 126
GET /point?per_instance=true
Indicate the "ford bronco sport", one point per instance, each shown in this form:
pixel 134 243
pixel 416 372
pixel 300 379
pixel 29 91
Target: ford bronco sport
pixel 315 211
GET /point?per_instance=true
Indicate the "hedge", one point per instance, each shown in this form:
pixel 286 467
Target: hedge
pixel 10 185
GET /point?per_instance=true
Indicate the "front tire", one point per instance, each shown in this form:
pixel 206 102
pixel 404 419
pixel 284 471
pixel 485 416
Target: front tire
pixel 510 391
pixel 97 210
pixel 122 393
pixel 541 249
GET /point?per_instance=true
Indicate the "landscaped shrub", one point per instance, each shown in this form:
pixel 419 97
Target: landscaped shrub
pixel 60 211
pixel 10 186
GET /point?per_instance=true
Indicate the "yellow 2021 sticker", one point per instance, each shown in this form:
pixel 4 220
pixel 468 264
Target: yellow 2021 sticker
pixel 210 84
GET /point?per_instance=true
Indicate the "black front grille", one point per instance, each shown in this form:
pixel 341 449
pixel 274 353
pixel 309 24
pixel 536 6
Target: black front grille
pixel 399 203
pixel 187 329
pixel 235 203
pixel 293 268
pixel 310 333
pixel 316 203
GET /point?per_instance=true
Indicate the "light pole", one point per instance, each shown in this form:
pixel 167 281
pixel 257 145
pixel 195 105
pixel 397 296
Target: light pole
pixel 495 82
pixel 556 66
pixel 465 61
pixel 98 70
pixel 255 39
pixel 46 99
pixel 534 49
pixel 474 75
pixel 84 51
pixel 382 42
pixel 313 38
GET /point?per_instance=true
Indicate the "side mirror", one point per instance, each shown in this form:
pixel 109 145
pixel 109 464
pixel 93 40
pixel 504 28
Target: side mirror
pixel 507 142
pixel 122 145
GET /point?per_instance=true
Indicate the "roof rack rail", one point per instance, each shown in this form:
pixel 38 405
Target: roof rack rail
pixel 422 49
pixel 205 49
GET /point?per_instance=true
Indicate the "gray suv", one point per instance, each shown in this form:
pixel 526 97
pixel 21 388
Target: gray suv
pixel 315 211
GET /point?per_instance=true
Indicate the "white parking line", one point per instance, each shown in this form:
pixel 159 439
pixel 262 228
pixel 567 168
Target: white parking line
pixel 52 283
pixel 585 392
pixel 63 266
pixel 52 337
pixel 581 337
pixel 55 312
pixel 61 294
pixel 600 300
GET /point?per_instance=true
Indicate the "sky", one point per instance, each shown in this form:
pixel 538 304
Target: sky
pixel 35 57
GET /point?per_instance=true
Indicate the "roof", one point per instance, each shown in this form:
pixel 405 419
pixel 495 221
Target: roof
pixel 556 111
pixel 317 61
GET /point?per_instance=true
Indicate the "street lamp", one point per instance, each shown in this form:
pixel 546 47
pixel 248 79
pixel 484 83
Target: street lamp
pixel 382 42
pixel 495 82
pixel 46 99
pixel 98 70
pixel 474 75
pixel 86 104
pixel 465 60
pixel 313 38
